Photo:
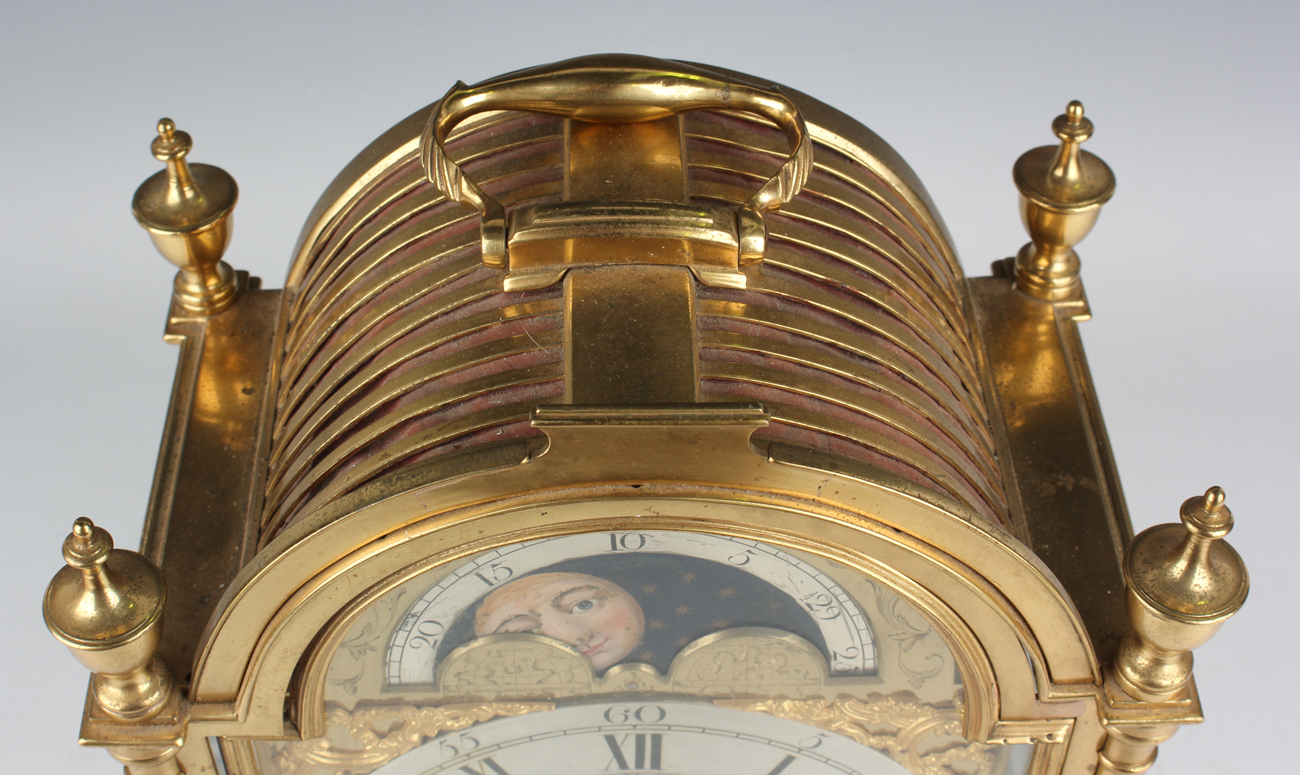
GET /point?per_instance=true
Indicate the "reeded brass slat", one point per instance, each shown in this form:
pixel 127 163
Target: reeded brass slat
pixel 907 255
pixel 338 275
pixel 465 391
pixel 956 401
pixel 348 223
pixel 836 274
pixel 955 486
pixel 957 426
pixel 945 439
pixel 318 381
pixel 797 234
pixel 902 233
pixel 471 152
pixel 968 464
pixel 386 241
pixel 298 359
pixel 833 164
pixel 496 143
pixel 317 288
pixel 924 273
pixel 810 212
pixel 327 387
pixel 296 352
pixel 946 268
pixel 921 320
pixel 409 447
pixel 946 365
pixel 351 271
pixel 292 393
pixel 954 351
pixel 350 418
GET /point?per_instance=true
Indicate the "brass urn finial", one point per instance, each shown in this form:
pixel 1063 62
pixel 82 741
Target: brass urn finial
pixel 1062 190
pixel 106 606
pixel 1184 582
pixel 187 211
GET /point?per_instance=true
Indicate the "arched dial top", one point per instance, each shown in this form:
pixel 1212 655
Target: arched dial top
pixel 683 584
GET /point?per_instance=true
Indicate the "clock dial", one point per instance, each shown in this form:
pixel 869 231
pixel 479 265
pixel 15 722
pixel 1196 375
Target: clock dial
pixel 681 738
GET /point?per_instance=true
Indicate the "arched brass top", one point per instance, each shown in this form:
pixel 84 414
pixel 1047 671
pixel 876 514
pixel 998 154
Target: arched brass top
pixel 614 88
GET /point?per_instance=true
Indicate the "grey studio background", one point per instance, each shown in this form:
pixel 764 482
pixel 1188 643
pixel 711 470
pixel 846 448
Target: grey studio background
pixel 1190 270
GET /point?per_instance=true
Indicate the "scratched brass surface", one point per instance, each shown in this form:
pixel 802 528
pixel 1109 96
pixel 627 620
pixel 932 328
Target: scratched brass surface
pixel 1068 486
pixel 211 463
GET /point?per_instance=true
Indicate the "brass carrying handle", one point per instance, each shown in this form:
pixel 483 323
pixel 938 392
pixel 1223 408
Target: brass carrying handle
pixel 614 88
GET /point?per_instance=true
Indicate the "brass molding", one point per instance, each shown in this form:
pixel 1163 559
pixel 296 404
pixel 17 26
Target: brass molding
pixel 913 733
pixel 442 538
pixel 381 733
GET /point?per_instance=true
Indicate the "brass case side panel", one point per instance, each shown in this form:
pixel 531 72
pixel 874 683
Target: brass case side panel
pixel 208 479
pixel 1056 450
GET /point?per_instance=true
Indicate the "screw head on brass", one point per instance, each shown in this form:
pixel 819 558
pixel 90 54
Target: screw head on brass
pixel 187 210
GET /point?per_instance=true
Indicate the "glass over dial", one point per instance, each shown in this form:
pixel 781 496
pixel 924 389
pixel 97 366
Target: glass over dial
pixel 680 738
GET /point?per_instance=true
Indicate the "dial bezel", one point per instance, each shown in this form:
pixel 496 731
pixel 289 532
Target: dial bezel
pixel 1019 644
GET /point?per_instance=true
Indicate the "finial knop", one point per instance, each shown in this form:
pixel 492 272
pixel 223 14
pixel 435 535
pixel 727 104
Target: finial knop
pixel 87 546
pixel 1071 127
pixel 171 146
pixel 1214 498
pixel 1207 516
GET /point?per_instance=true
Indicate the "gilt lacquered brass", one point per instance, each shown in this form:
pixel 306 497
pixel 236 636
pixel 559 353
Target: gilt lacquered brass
pixel 630 415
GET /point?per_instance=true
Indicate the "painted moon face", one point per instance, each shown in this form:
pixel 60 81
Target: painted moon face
pixel 594 615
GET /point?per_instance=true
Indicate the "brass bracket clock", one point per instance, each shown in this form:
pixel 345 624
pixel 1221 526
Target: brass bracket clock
pixel 629 415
